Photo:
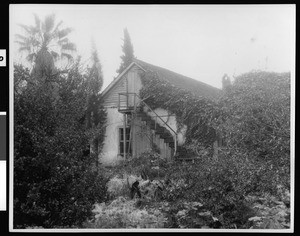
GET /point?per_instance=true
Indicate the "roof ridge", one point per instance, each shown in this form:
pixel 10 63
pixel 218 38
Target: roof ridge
pixel 175 73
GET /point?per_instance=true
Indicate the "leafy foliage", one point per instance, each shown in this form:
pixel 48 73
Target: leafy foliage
pixel 196 113
pixel 149 165
pixel 117 186
pixel 189 214
pixel 225 183
pixel 256 118
pixel 55 179
pixel 123 213
pixel 95 113
pixel 271 212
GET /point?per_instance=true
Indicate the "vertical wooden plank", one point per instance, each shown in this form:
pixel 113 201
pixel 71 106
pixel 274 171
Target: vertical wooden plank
pixel 124 135
pixel 130 88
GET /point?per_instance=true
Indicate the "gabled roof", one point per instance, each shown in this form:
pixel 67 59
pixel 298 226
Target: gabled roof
pixel 116 80
pixel 195 86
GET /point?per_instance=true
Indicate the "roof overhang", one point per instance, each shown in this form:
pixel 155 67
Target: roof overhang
pixel 115 81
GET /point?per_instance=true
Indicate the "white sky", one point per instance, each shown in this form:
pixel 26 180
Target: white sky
pixel 199 41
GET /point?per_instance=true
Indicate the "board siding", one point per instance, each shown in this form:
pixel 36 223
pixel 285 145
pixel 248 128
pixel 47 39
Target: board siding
pixel 112 98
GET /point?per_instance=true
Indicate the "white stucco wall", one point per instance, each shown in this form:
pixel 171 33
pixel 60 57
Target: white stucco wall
pixel 109 153
pixel 171 121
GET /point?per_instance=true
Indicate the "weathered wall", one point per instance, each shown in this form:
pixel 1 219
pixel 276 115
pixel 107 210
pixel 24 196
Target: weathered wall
pixel 110 149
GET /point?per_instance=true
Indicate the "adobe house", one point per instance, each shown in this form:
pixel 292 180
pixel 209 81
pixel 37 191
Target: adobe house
pixel 132 125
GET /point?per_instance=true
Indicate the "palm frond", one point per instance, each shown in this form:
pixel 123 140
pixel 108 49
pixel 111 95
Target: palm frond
pixel 69 46
pixel 26 28
pixel 55 55
pixel 24 48
pixel 31 57
pixel 49 22
pixel 63 41
pixel 31 30
pixel 37 21
pixel 47 38
pixel 34 42
pixel 64 32
pixel 57 27
pixel 20 36
pixel 21 43
pixel 67 55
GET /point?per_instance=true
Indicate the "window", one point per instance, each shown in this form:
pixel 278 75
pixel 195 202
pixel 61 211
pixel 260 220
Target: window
pixel 121 141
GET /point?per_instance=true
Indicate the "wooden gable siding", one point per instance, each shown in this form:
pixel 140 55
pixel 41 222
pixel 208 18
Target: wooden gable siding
pixel 130 82
pixel 112 98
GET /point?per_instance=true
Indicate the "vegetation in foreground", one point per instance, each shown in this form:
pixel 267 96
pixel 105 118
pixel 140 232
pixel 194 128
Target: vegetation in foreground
pixel 208 193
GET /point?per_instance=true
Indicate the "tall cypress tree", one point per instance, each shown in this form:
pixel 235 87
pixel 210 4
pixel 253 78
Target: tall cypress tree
pixel 95 114
pixel 127 49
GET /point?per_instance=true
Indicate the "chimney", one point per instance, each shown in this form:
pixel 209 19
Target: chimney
pixel 226 82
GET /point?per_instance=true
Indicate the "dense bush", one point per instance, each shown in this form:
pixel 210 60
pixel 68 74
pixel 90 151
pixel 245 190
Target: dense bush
pixel 148 165
pixel 222 185
pixel 256 118
pixel 55 179
pixel 270 213
pixel 123 213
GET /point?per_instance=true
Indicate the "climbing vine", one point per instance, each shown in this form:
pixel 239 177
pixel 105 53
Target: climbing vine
pixel 198 114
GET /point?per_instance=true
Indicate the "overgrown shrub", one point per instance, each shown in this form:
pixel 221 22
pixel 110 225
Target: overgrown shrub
pixel 117 187
pixel 123 213
pixel 271 213
pixel 221 185
pixel 55 179
pixel 189 214
pixel 149 165
pixel 255 118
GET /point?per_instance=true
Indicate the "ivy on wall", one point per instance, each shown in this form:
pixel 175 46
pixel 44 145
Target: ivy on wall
pixel 198 113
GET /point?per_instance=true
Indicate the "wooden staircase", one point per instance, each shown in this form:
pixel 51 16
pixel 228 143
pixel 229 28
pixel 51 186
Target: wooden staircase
pixel 131 103
pixel 160 130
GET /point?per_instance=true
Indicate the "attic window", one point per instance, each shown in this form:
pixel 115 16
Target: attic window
pixel 127 140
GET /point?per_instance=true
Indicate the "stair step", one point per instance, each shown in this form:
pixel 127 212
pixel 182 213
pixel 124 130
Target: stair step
pixel 160 130
pixel 171 145
pixel 151 123
pixel 169 140
pixel 145 118
pixel 166 135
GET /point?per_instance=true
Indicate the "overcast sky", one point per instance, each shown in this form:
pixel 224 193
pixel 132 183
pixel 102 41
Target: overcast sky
pixel 200 41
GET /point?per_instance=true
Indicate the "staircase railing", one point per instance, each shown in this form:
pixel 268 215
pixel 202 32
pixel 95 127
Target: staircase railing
pixel 125 106
pixel 175 133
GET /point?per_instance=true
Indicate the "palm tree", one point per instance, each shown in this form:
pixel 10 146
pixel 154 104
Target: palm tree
pixel 45 42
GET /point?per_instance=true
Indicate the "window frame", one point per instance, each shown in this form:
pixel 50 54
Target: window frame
pixel 121 142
